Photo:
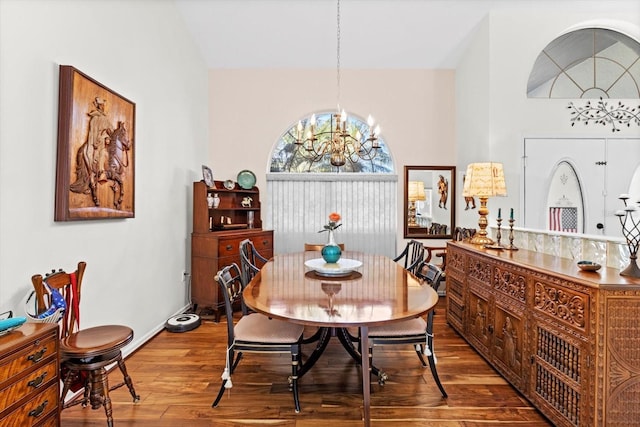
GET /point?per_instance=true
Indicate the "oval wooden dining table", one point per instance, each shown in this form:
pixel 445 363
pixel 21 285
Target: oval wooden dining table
pixel 376 293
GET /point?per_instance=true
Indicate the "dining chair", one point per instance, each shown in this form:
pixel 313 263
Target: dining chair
pixel 318 247
pixel 84 353
pixel 255 333
pixel 418 332
pixel 412 256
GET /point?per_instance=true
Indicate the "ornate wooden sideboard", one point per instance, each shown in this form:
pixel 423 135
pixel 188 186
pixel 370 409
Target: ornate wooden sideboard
pixel 29 379
pixel 568 340
pixel 216 244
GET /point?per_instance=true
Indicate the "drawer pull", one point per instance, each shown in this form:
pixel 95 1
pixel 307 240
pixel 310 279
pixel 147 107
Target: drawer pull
pixel 37 382
pixel 265 242
pixel 39 410
pixel 229 247
pixel 37 356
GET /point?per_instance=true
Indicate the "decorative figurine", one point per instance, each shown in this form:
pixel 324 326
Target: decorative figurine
pixel 246 202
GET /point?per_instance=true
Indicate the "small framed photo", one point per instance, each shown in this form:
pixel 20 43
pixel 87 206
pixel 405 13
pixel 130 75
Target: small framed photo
pixel 207 176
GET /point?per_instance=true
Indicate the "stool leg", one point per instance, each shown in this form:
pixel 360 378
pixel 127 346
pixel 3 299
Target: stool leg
pixel 127 380
pixel 100 393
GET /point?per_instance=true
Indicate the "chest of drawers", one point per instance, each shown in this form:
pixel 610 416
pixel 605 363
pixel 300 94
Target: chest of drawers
pixel 29 376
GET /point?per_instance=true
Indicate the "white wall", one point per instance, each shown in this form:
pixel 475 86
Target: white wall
pixel 511 44
pixel 141 50
pixel 251 108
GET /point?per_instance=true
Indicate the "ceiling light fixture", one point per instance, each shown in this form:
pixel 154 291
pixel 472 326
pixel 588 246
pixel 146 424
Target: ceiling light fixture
pixel 336 139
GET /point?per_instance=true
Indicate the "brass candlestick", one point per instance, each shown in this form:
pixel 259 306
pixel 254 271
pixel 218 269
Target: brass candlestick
pixel 497 244
pixel 510 246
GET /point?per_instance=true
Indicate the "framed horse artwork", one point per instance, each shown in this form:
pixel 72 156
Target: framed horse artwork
pixel 95 174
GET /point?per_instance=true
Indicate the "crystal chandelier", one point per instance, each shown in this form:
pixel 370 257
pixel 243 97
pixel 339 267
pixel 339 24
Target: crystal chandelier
pixel 338 139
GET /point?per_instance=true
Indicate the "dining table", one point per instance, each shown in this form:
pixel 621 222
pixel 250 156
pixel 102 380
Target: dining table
pixel 361 291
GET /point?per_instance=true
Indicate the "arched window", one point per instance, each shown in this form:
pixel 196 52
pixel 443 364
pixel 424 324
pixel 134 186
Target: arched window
pixel 287 156
pixel 589 63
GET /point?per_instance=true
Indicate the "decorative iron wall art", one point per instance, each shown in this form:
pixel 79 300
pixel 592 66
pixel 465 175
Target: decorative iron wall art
pixel 603 113
pixel 95 175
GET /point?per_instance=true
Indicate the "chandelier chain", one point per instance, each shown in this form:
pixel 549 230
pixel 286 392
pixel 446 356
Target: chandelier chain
pixel 338 55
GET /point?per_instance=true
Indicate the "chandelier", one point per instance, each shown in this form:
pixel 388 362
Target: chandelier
pixel 337 139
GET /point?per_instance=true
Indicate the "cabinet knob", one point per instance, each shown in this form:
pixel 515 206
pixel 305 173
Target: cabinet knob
pixel 265 242
pixel 229 247
pixel 490 329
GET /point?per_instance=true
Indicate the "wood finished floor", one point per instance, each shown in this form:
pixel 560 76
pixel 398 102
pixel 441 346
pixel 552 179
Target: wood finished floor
pixel 177 376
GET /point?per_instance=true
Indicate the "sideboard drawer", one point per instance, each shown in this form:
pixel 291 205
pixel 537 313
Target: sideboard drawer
pixel 35 410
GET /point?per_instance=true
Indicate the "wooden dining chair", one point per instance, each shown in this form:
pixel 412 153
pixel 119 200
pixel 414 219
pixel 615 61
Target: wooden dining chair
pixel 256 333
pixel 318 247
pixel 412 256
pixel 84 353
pixel 418 332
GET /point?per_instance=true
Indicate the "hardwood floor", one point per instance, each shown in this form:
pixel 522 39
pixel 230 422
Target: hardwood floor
pixel 177 376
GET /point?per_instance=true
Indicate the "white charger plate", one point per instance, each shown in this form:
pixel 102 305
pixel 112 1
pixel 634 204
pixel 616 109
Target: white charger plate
pixel 343 267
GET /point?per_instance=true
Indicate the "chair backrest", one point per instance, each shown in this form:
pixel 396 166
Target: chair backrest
pixel 230 281
pixel 463 234
pixel 250 260
pixel 318 247
pixel 412 256
pixel 60 284
pixel 430 273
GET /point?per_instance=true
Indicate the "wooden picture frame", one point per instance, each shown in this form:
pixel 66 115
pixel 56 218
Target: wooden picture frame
pixel 432 215
pixel 207 176
pixel 95 172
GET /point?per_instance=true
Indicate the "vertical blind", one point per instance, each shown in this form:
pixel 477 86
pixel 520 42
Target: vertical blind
pixel 298 205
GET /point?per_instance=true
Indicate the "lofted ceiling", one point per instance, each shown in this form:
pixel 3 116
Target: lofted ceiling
pixel 374 33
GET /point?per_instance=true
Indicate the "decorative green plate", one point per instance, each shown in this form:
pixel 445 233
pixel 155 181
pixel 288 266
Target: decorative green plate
pixel 246 179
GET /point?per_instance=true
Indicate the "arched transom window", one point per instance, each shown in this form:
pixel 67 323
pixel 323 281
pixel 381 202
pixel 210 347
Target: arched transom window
pixel 590 63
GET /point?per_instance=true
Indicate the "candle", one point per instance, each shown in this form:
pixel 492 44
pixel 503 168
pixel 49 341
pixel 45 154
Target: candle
pixel 623 196
pixel 499 212
pixel 620 213
pixel 511 216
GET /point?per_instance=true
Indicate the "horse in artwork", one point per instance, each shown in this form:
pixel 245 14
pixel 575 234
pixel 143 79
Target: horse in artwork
pixel 94 168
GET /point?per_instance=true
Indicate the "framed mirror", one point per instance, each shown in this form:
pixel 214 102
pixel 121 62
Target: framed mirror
pixel 429 202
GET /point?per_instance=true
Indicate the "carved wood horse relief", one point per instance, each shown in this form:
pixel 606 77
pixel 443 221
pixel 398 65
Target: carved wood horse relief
pixel 103 157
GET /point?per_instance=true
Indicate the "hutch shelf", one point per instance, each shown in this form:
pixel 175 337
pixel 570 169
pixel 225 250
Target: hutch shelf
pixel 217 233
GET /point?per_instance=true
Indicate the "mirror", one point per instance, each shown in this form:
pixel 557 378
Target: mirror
pixel 429 202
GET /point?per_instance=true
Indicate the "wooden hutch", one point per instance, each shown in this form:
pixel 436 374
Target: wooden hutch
pixel 568 340
pixel 217 233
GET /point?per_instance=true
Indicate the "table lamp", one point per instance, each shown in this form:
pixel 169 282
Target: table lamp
pixel 415 193
pixel 484 180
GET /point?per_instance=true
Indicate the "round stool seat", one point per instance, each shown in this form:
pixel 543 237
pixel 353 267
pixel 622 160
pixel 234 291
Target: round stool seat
pixel 96 341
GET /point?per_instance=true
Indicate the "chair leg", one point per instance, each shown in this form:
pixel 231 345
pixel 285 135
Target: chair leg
pixel 127 380
pixel 418 349
pixel 434 371
pixel 233 362
pixel 295 360
pixel 220 393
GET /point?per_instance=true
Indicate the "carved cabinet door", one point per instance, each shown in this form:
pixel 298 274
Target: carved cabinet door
pixel 480 322
pixel 508 349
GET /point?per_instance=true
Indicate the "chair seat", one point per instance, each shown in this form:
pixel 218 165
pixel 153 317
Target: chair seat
pixel 416 326
pixel 96 341
pixel 257 327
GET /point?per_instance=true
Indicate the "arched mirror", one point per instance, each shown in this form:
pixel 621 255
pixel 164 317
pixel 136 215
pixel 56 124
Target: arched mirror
pixel 429 202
